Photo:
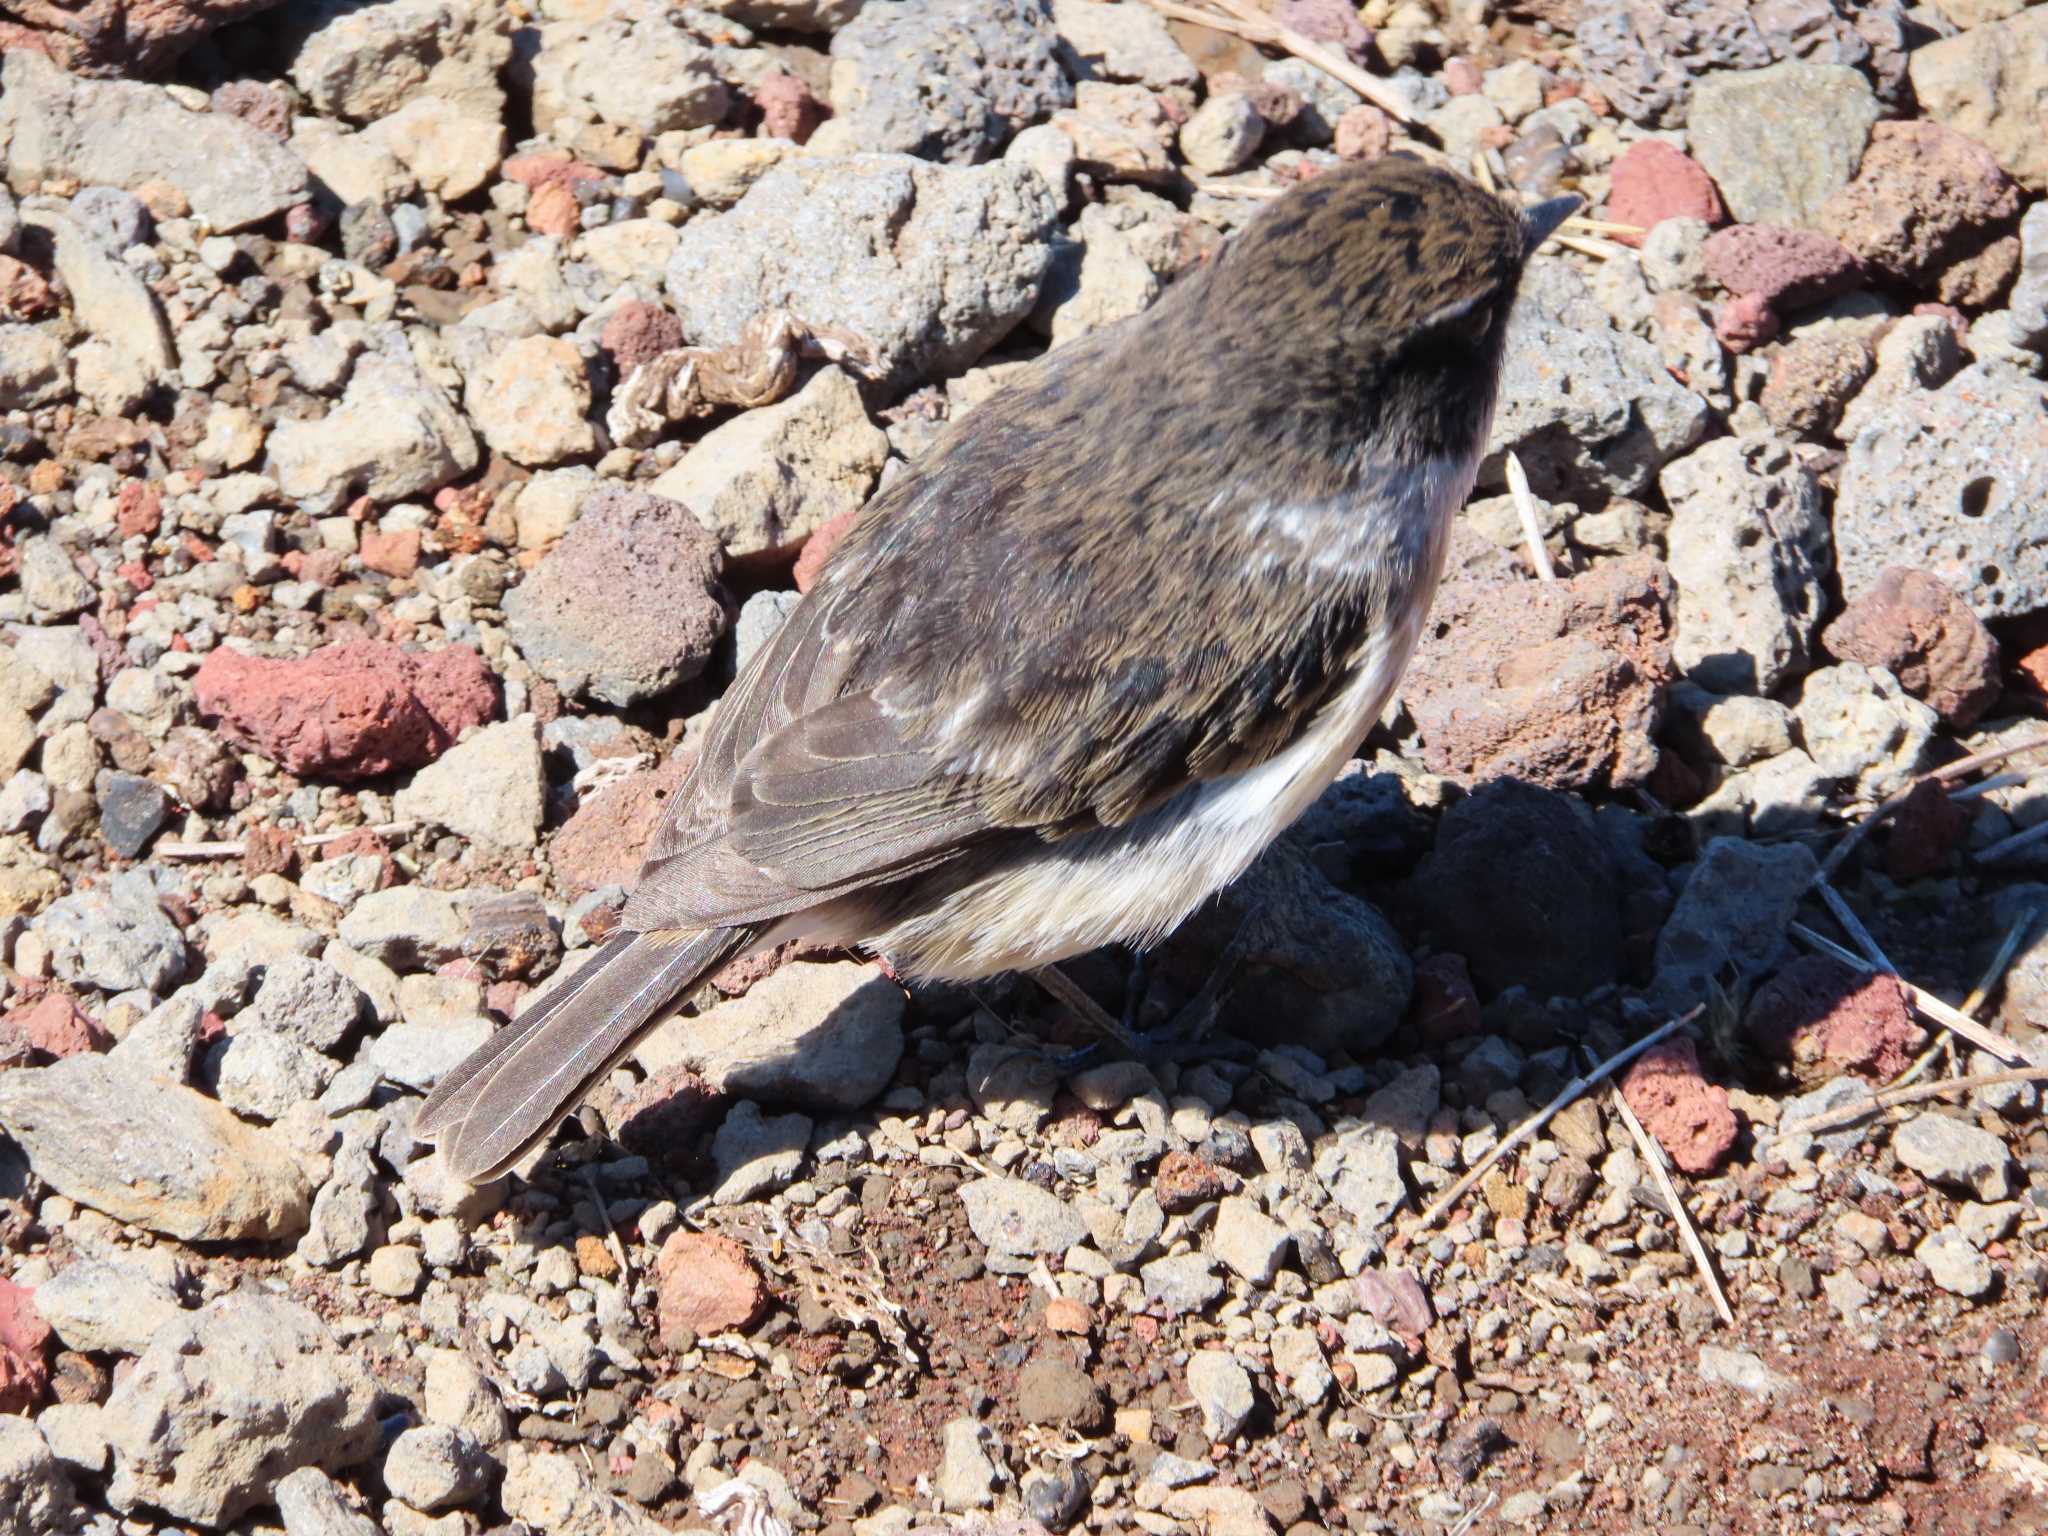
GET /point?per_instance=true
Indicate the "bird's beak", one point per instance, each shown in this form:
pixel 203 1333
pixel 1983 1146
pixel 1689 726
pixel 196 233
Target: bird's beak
pixel 1541 222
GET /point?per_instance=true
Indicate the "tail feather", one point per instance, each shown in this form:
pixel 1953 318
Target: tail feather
pixel 515 1088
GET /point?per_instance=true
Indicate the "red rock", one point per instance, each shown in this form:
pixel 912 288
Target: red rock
pixel 25 294
pixel 262 107
pixel 1823 1018
pixel 1396 1298
pixel 1327 21
pixel 1746 323
pixel 1923 833
pixel 1789 267
pixel 24 1343
pixel 1979 280
pixel 667 1113
pixel 552 209
pixel 547 167
pixel 638 331
pixel 307 223
pixel 788 109
pixel 396 553
pixel 1559 683
pixel 268 850
pixel 135 38
pixel 138 509
pixel 602 843
pixel 52 1026
pixel 1445 1004
pixel 1925 196
pixel 1690 1117
pixel 1279 105
pixel 1462 77
pixel 1363 133
pixel 1185 1181
pixel 349 711
pixel 1065 1315
pixel 1654 182
pixel 706 1284
pixel 818 549
pixel 1916 628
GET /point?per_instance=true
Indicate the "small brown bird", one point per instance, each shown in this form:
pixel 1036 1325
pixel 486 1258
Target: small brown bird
pixel 1102 645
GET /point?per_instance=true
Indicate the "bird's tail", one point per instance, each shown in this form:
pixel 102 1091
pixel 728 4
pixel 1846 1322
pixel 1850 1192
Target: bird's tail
pixel 512 1090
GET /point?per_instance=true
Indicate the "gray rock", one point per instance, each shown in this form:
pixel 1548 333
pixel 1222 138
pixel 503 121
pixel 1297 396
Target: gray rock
pixel 552 1492
pixel 112 1306
pixel 124 133
pixel 769 478
pixel 50 583
pixel 627 604
pixel 2029 299
pixel 420 1055
pixel 1222 1389
pixel 116 219
pixel 1361 1168
pixel 640 72
pixel 1954 1265
pixel 114 937
pixel 1324 98
pixel 755 1154
pixel 1185 1282
pixel 761 619
pixel 946 80
pixel 35 367
pixel 1120 41
pixel 1864 730
pixel 1010 1216
pixel 75 1438
pixel 347 1219
pixel 1779 142
pixel 312 1504
pixel 308 1000
pixel 408 927
pixel 228 1400
pixel 1224 133
pixel 132 811
pixel 111 300
pixel 262 1075
pixel 1749 551
pixel 435 1467
pixel 1955 1153
pixel 152 1152
pixel 489 788
pixel 930 265
pixel 1945 482
pixel 1744 1371
pixel 1249 1241
pixel 10 222
pixel 968 1469
pixel 1590 409
pixel 822 1035
pixel 394 434
pixel 1729 924
pixel 35 1494
pixel 364 62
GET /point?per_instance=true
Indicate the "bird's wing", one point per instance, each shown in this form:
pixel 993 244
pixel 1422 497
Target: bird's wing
pixel 1029 638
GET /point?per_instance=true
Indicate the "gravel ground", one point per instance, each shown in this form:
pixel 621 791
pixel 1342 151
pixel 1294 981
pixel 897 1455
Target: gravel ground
pixel 412 414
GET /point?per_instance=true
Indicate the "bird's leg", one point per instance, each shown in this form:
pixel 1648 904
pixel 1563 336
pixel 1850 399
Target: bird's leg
pixel 1064 989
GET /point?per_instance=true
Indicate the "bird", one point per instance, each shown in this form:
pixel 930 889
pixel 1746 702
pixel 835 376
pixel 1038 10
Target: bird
pixel 1110 635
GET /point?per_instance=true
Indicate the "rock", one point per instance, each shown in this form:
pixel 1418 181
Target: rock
pixel 1730 920
pixel 1249 1240
pixel 1223 135
pixel 459 1395
pixel 307 1000
pixel 394 434
pixel 54 1026
pixel 1057 1393
pixel 929 265
pixel 1095 281
pixel 1559 684
pixel 450 152
pixel 228 1400
pixel 1689 1116
pixel 1779 142
pixel 1183 1283
pixel 35 367
pixel 419 1055
pixel 1361 1168
pixel 2029 298
pixel 24 1340
pixel 1120 132
pixel 1917 352
pixel 643 72
pixel 407 927
pixel 1862 729
pixel 1222 1389
pixel 433 1467
pixel 638 331
pixel 489 789
pixel 1523 886
pixel 109 298
pixel 366 62
pixel 1955 1153
pixel 826 1036
pixel 553 1492
pixel 395 1270
pixel 946 80
pixel 1822 1018
pixel 601 845
pixel 706 1284
pixel 1315 963
pixel 1788 268
pixel 1924 834
pixel 766 480
pixel 262 1075
pixel 1010 1216
pixel 627 604
pixel 132 811
pixel 1615 424
pixel 1987 84
pixel 1911 624
pixel 312 1504
pixel 1939 481
pixel 112 1306
pixel 1744 1371
pixel 1749 550
pixel 1652 182
pixel 968 1474
pixel 1924 197
pixel 533 403
pixel 1954 1265
pixel 115 937
pixel 124 134
pixel 35 1494
pixel 357 710
pixel 754 1154
pixel 1120 41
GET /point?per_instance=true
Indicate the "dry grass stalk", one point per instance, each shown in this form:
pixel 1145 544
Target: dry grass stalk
pixel 1925 1003
pixel 2006 847
pixel 234 850
pixel 1527 1130
pixel 1240 18
pixel 1948 774
pixel 1853 926
pixel 1882 1099
pixel 1653 1154
pixel 1063 989
pixel 1525 508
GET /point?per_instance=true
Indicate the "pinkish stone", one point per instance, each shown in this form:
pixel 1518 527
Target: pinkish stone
pixel 1915 627
pixel 818 549
pixel 1746 323
pixel 1925 196
pixel 24 1346
pixel 638 331
pixel 1654 182
pixel 356 710
pixel 1788 267
pixel 52 1026
pixel 1822 1018
pixel 788 109
pixel 1689 1116
pixel 705 1284
pixel 1445 1004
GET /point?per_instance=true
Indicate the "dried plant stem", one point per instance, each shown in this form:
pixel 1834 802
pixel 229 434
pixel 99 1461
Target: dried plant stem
pixel 1887 1098
pixel 1525 508
pixel 1063 989
pixel 1853 926
pixel 236 849
pixel 2019 841
pixel 1947 774
pixel 1924 1002
pixel 1527 1130
pixel 1653 1154
pixel 1580 224
pixel 1241 18
pixel 1995 971
pixel 1599 250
